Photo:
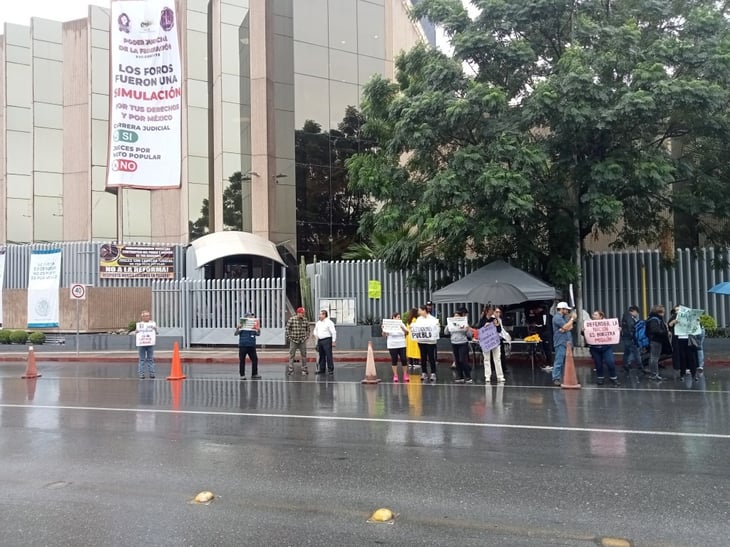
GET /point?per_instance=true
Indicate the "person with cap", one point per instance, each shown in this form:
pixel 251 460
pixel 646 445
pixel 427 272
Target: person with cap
pixel 563 323
pixel 326 335
pixel 297 332
pixel 247 346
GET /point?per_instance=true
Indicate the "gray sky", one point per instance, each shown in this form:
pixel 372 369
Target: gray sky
pixel 20 11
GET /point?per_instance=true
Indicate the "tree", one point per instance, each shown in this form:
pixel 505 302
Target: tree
pixel 576 117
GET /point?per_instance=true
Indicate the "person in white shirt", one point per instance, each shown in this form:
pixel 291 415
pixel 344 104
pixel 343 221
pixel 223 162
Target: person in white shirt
pixel 396 343
pixel 426 331
pixel 146 333
pixel 326 335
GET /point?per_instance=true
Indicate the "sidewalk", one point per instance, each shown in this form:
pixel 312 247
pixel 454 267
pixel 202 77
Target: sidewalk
pixel 266 356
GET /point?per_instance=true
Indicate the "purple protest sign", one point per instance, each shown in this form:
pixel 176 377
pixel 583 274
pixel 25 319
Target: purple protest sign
pixel 489 337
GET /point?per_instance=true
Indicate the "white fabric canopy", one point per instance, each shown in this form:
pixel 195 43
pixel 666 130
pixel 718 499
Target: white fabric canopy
pixel 221 244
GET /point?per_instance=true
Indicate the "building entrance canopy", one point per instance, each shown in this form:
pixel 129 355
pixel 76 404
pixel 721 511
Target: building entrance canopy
pixel 230 243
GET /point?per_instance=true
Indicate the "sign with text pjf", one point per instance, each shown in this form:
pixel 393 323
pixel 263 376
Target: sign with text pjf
pixel 602 332
pixel 136 262
pixel 145 95
pixel 43 282
pixel 489 337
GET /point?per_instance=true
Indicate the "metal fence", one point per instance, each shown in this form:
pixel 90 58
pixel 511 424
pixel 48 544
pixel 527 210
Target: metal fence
pixel 207 311
pixel 611 282
pixel 79 264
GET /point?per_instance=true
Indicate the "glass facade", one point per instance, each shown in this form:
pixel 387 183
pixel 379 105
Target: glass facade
pixel 338 46
pixel 316 55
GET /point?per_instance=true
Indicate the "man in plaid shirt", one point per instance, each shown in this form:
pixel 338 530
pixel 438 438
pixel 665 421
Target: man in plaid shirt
pixel 297 332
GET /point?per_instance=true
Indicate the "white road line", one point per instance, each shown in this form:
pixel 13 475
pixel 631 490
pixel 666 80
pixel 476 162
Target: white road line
pixel 373 420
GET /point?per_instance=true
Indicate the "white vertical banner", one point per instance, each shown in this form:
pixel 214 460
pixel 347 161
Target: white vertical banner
pixel 145 95
pixel 43 284
pixel 2 281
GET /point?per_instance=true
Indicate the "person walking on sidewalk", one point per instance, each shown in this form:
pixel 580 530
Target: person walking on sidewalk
pixel 427 335
pixel 297 332
pixel 146 337
pixel 247 347
pixel 460 336
pixel 603 355
pixel 396 343
pixel 326 335
pixel 563 323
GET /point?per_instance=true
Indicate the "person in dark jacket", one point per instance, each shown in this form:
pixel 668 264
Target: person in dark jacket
pixel 247 347
pixel 628 338
pixel 658 334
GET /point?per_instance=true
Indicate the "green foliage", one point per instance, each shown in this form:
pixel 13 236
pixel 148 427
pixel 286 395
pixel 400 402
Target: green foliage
pixel 5 336
pixel 37 338
pixel 18 337
pixel 574 119
pixel 131 326
pixel 708 322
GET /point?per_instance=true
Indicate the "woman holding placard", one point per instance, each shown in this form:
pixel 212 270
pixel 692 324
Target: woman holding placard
pixel 396 342
pixel 460 331
pixel 603 355
pixel 426 331
pixel 413 354
pixel 494 355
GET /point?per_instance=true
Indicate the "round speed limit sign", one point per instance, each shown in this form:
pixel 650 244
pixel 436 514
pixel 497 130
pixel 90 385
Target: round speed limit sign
pixel 78 291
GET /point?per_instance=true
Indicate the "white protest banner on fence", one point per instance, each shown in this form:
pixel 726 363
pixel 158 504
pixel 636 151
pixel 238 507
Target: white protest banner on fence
pixel 2 281
pixel 145 96
pixel 422 334
pixel 43 283
pixel 457 323
pixel 602 332
pixel 489 337
pixel 392 326
pixel 688 321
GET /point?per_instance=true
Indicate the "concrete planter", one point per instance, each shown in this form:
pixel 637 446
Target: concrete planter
pixel 96 342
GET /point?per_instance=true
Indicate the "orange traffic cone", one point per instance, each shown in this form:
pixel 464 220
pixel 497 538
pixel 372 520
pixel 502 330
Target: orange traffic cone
pixel 176 372
pixel 570 379
pixel 31 370
pixel 371 375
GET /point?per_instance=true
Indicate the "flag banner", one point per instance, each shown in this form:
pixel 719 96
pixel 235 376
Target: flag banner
pixel 2 281
pixel 43 283
pixel 145 96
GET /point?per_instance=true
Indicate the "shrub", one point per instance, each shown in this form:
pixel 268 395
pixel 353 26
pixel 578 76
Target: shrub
pixel 708 322
pixel 19 337
pixel 37 338
pixel 132 325
pixel 5 336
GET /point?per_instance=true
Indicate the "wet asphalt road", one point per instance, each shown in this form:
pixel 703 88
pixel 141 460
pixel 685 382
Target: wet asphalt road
pixel 90 455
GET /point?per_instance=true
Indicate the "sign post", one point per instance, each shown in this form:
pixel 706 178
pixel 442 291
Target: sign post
pixel 78 293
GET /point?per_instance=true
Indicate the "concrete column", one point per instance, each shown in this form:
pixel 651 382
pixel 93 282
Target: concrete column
pixel 215 63
pixel 263 141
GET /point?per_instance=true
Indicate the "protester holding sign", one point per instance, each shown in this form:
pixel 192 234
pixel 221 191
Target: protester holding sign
pixel 563 323
pixel 146 337
pixel 413 354
pixel 492 351
pixel 396 344
pixel 460 331
pixel 601 334
pixel 426 332
pixel 685 325
pixel 659 342
pixel 247 330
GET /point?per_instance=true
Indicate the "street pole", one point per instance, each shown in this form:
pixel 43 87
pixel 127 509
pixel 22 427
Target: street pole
pixel 78 326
